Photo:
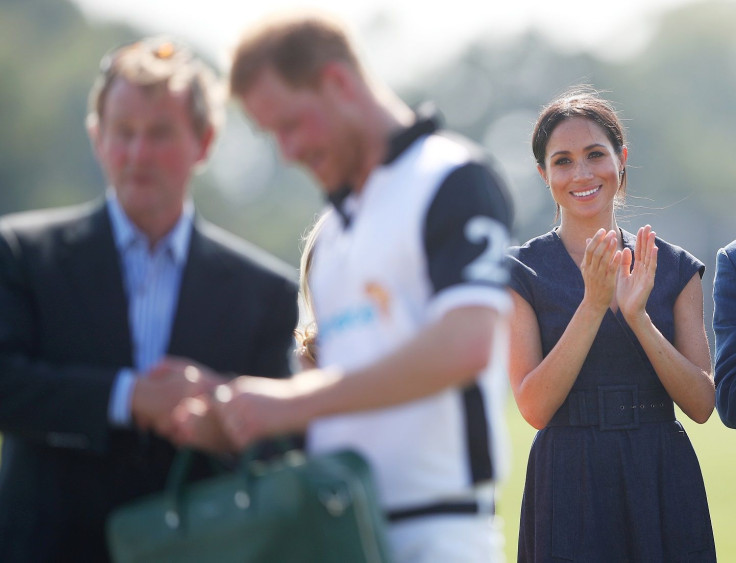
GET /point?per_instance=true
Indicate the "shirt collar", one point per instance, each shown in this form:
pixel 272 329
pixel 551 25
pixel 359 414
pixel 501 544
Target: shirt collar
pixel 125 233
pixel 427 121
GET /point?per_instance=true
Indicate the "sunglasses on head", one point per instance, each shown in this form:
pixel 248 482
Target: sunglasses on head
pixel 159 48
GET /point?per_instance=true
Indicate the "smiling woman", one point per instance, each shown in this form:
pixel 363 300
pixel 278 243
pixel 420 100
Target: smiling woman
pixel 600 355
pixel 581 165
pixel 577 143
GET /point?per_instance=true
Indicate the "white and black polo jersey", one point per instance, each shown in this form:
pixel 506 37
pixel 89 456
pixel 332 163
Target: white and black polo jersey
pixel 428 233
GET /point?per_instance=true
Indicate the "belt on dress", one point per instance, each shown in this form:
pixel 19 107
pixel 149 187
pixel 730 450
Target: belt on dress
pixel 614 407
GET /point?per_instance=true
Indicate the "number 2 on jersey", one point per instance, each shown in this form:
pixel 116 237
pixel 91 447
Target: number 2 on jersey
pixel 488 266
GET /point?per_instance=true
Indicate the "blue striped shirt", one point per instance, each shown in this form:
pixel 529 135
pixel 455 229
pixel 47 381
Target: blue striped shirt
pixel 152 277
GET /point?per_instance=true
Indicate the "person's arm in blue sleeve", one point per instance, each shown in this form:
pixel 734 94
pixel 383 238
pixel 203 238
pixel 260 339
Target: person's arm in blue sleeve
pixel 724 327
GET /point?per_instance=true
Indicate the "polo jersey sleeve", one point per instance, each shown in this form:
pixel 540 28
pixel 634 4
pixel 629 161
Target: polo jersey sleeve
pixel 466 234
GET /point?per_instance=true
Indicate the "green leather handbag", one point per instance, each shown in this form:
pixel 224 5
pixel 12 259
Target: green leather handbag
pixel 297 509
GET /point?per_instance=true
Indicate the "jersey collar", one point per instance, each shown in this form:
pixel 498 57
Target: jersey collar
pixel 426 122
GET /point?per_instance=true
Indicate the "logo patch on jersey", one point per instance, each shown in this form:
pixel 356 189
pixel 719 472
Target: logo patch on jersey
pixel 347 320
pixel 380 297
pixel 374 307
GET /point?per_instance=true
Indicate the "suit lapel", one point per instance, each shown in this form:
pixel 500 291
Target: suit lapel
pixel 203 288
pixel 90 260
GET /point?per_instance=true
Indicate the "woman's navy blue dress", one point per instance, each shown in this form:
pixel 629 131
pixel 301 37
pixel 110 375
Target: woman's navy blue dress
pixel 613 477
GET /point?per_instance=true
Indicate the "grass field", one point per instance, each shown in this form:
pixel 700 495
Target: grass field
pixel 713 442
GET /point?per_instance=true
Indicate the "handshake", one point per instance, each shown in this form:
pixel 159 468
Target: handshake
pixel 191 405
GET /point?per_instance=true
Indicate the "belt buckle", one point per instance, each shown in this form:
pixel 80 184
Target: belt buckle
pixel 618 407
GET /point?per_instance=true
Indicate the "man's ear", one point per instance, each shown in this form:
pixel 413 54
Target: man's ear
pixel 338 80
pixel 93 132
pixel 205 144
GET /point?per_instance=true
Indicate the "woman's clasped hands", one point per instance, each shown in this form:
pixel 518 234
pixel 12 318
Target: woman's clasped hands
pixel 611 281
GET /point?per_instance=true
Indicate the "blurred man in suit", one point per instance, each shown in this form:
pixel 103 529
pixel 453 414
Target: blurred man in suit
pixel 92 297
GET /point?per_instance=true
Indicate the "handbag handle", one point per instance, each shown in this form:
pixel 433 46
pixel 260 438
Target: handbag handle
pixel 174 486
pixel 177 480
pixel 180 467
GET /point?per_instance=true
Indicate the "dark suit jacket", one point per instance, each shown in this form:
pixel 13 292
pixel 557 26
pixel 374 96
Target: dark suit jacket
pixel 63 337
pixel 724 327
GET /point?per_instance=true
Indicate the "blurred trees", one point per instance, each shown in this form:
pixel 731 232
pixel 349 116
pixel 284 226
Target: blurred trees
pixel 675 97
pixel 48 59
